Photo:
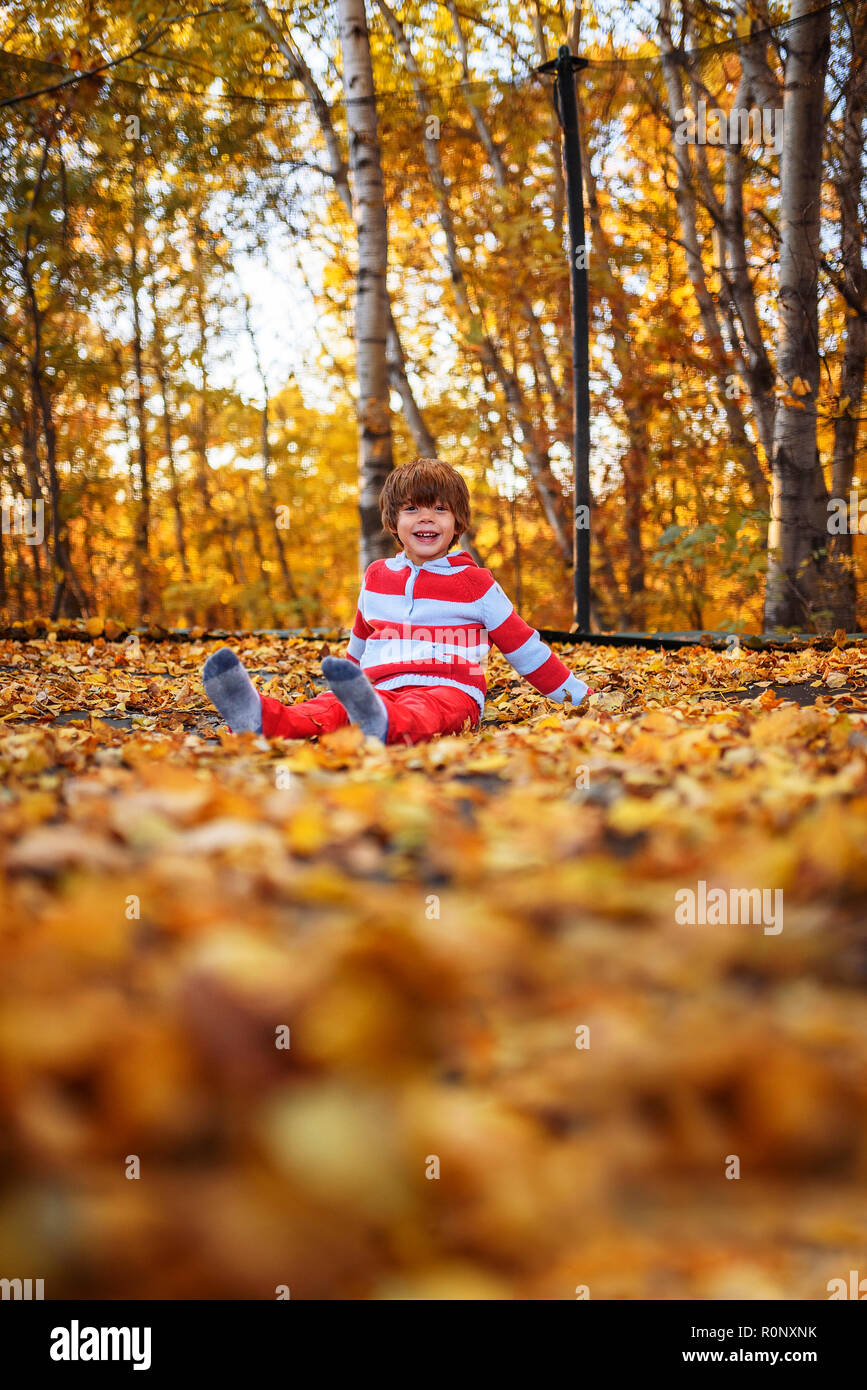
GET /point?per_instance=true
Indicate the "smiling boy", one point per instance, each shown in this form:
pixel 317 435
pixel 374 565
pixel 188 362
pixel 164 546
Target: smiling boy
pixel 422 632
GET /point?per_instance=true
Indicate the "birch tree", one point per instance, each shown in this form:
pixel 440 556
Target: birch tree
pixel 848 183
pixel 798 535
pixel 775 348
pixel 339 173
pixel 371 302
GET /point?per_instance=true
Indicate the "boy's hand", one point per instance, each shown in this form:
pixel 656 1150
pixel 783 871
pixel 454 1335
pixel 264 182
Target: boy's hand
pixel 573 708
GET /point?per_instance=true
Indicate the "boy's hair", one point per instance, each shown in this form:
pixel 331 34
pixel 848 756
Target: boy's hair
pixel 424 482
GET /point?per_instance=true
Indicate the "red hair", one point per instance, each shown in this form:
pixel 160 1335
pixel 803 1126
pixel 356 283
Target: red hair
pixel 422 483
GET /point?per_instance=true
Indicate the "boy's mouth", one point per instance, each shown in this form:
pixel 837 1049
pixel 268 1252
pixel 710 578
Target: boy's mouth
pixel 426 535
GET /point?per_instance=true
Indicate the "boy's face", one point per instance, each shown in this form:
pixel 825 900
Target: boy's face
pixel 425 532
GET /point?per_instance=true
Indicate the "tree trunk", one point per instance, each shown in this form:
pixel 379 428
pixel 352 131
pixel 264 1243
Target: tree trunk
pixel 253 523
pixel 796 593
pixel 634 399
pixel 143 519
pixel 685 201
pixel 395 356
pixel 159 361
pixel 126 421
pixel 4 593
pixel 371 305
pixel 757 87
pixel 17 565
pixel 34 483
pixel 516 557
pixel 201 421
pixel 633 486
pixel 68 592
pixel 848 185
pixel 267 479
pixel 399 382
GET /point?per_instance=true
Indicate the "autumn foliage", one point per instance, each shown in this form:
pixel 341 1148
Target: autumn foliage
pixel 169 415
pixel 391 1023
pixel 438 928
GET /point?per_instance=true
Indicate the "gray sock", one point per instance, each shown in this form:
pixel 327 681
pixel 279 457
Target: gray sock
pixel 228 686
pixel 357 696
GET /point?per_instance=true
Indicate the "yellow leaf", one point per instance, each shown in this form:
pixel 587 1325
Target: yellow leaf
pixel 487 762
pixel 307 831
pixel 631 814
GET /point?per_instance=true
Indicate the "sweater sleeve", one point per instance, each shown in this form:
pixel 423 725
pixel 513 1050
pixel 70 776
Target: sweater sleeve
pixel 361 630
pixel 524 649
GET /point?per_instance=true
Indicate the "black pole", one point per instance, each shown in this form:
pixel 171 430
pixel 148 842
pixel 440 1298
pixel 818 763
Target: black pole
pixel 565 66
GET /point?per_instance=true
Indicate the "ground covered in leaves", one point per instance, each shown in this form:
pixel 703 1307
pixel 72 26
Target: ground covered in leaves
pixel 432 930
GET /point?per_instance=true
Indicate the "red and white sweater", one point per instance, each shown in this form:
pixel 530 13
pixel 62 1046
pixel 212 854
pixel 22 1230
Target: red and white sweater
pixel 430 624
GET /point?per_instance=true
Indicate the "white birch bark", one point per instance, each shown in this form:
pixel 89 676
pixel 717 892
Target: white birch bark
pixel 795 595
pixel 848 182
pixel 371 303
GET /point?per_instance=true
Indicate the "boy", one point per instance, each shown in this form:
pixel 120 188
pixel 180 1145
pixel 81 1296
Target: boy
pixel 413 665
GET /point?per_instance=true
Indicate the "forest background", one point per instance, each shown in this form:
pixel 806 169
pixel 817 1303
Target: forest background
pixel 191 198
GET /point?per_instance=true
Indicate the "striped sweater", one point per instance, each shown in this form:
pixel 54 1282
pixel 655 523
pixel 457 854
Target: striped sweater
pixel 432 624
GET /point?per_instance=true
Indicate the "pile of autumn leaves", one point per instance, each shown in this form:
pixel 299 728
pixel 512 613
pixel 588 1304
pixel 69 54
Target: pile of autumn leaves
pixel 329 995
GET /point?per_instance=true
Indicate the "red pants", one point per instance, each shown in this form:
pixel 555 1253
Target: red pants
pixel 415 713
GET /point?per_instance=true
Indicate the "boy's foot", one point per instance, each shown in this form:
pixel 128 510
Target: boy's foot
pixel 357 696
pixel 230 689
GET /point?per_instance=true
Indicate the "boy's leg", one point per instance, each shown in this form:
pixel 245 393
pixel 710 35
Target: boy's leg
pixel 229 688
pixel 420 712
pixel 410 714
pixel 308 719
pixel 415 714
pixel 363 704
